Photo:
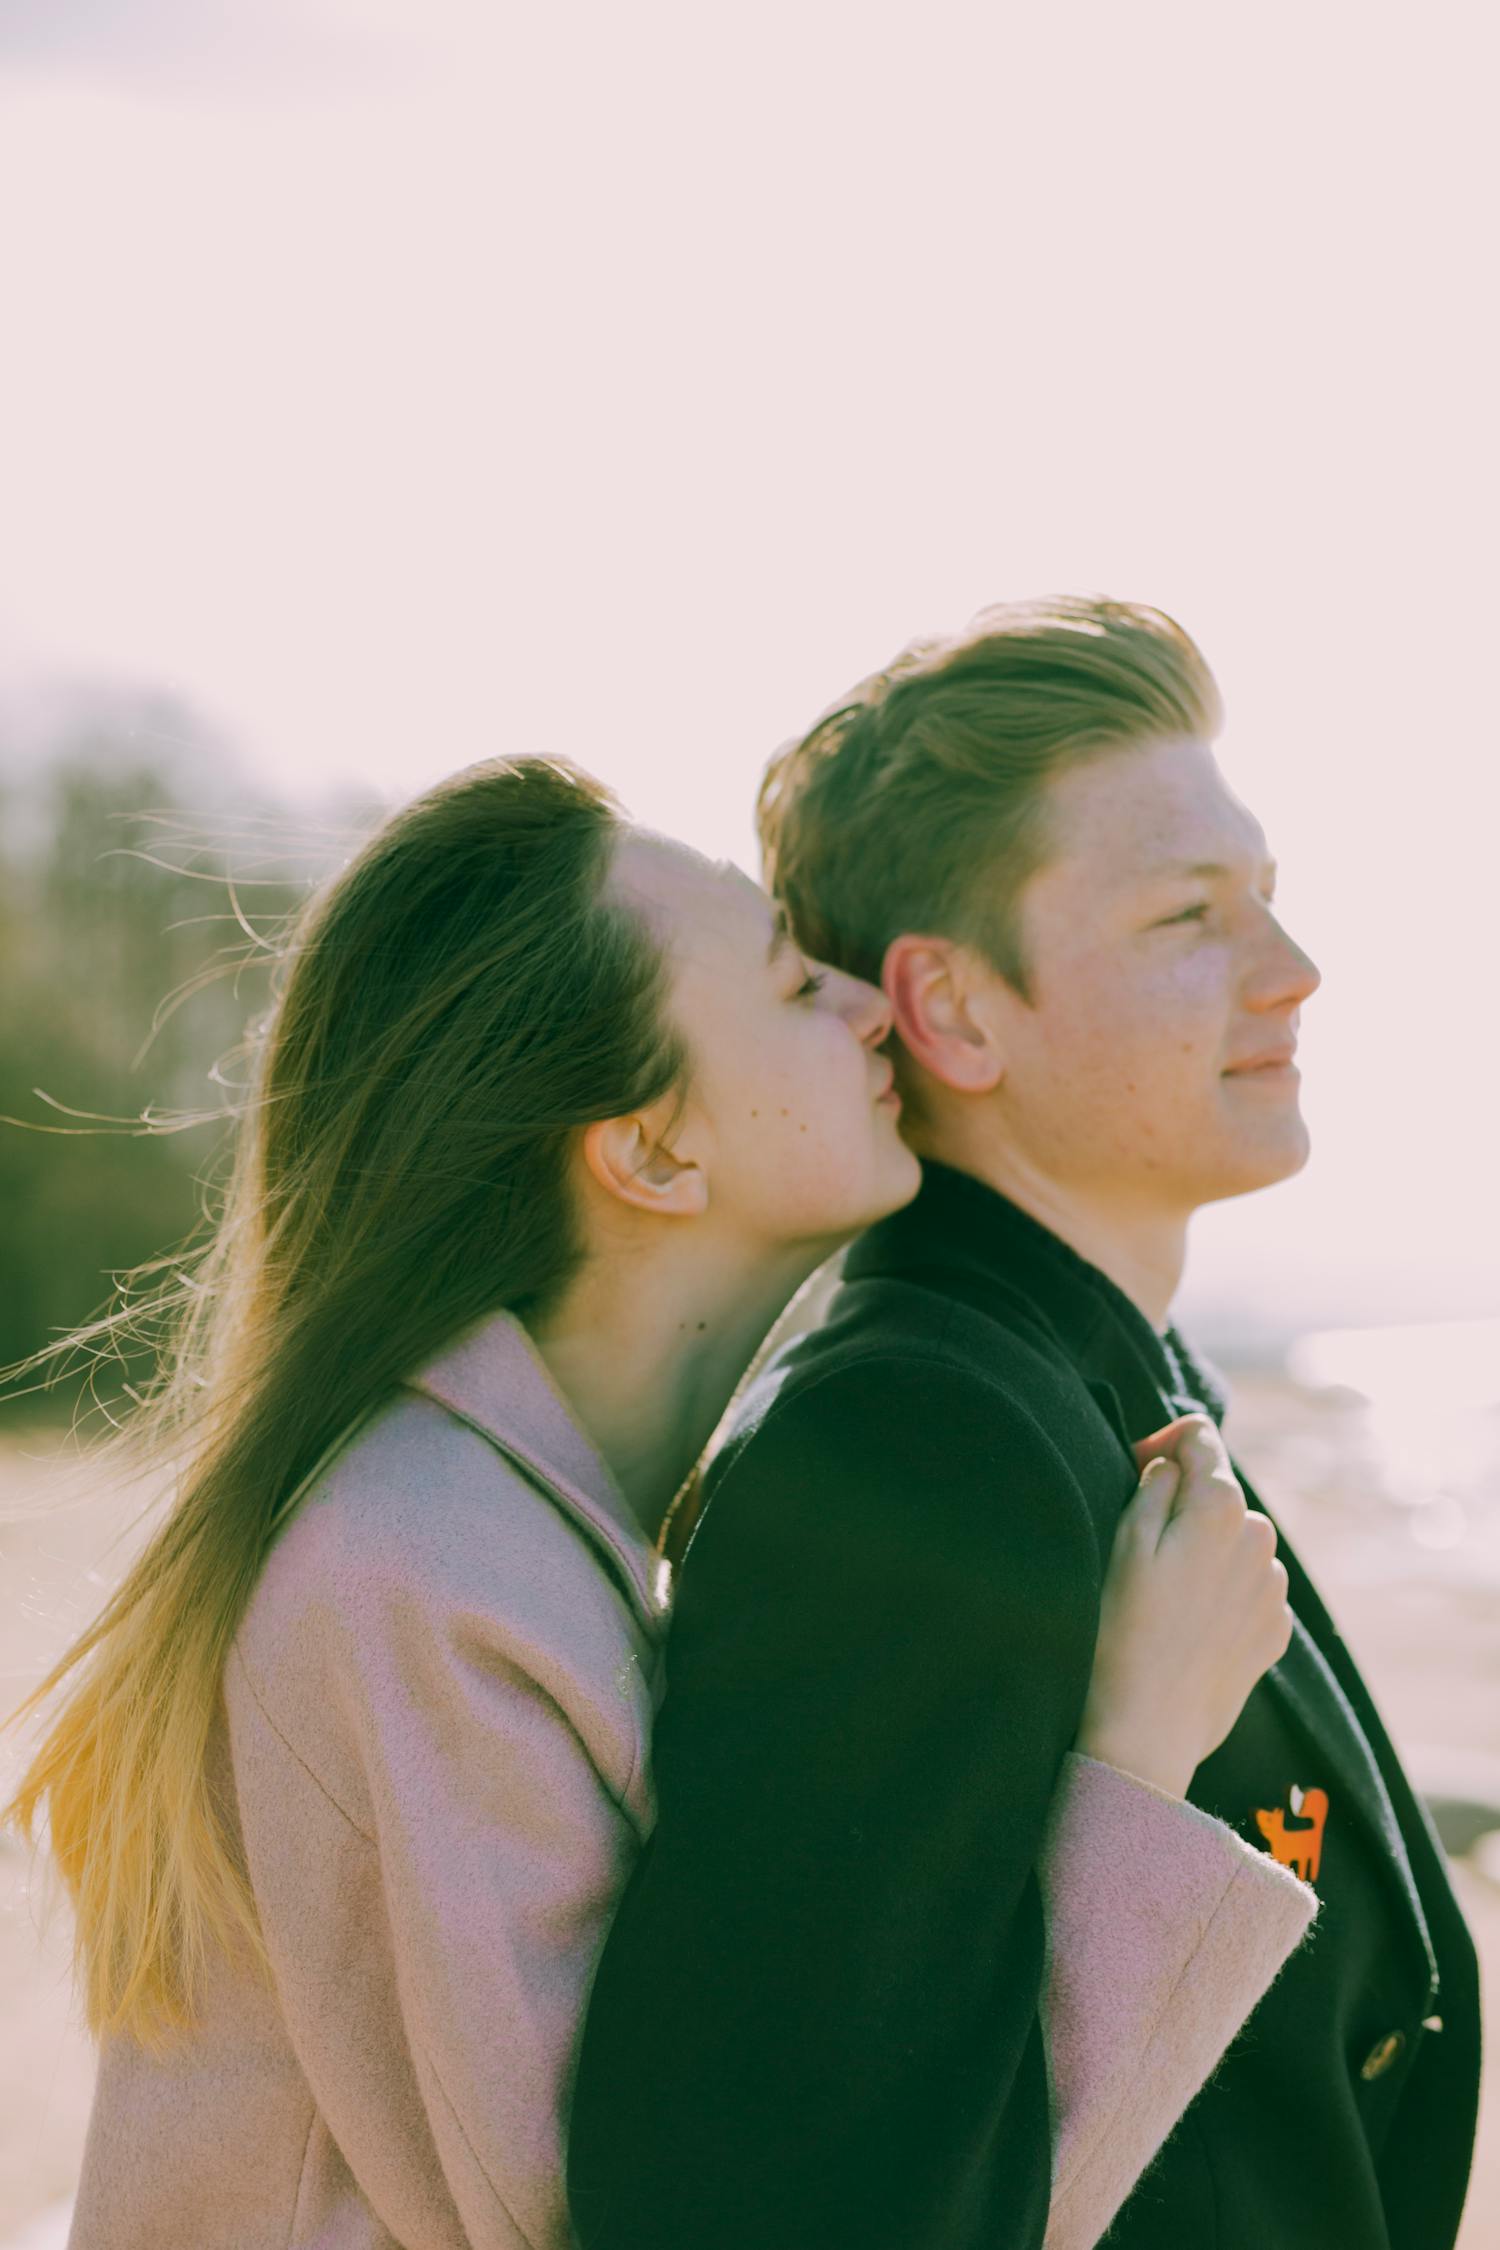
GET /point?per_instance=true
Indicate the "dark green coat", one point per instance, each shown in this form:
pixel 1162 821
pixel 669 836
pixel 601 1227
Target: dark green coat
pixel 816 2021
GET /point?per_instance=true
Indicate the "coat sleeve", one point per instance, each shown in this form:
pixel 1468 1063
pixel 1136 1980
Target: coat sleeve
pixel 434 1856
pixel 816 2022
pixel 1165 1928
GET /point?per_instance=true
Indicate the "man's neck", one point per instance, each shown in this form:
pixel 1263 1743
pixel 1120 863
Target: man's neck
pixel 1142 1252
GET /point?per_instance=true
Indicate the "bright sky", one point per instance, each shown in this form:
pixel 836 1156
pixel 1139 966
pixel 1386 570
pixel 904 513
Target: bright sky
pixel 400 385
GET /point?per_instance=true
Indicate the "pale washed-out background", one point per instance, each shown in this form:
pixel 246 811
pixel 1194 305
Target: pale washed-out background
pixel 384 387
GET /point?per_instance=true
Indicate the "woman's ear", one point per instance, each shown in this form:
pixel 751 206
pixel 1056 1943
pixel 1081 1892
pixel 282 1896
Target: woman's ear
pixel 937 995
pixel 631 1163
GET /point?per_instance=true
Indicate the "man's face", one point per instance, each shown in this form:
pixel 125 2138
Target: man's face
pixel 1152 1069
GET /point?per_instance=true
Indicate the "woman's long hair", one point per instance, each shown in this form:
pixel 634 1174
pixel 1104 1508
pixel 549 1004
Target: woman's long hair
pixel 449 1011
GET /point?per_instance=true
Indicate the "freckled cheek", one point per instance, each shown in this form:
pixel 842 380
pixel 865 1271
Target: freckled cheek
pixel 1203 987
pixel 810 1111
pixel 1154 1062
pixel 829 1139
pixel 1184 1025
pixel 785 1119
pixel 1114 1044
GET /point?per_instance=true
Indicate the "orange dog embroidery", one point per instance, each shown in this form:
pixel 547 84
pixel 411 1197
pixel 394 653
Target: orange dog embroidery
pixel 1300 1849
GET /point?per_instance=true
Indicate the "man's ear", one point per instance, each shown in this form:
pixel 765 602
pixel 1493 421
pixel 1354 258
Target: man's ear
pixel 631 1163
pixel 937 993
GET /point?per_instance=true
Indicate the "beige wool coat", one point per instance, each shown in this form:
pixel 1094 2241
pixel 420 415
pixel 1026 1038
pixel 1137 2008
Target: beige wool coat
pixel 434 1757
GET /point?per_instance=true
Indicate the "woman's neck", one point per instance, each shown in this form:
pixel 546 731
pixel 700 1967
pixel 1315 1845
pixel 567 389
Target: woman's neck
pixel 648 1354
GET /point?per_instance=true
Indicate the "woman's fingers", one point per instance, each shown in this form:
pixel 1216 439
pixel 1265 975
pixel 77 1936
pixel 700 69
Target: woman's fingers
pixel 1193 1610
pixel 1144 1517
pixel 1162 1444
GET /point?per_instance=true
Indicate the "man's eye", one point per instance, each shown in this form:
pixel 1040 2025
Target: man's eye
pixel 812 983
pixel 1188 914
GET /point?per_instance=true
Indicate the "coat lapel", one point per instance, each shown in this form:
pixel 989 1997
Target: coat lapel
pixel 1138 1400
pixel 1310 1690
pixel 962 1237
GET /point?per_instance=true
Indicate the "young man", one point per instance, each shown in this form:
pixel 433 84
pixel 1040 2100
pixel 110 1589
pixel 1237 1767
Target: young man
pixel 821 1998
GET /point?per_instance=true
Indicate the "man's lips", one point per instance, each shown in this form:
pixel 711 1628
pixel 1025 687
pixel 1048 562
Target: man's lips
pixel 1272 1060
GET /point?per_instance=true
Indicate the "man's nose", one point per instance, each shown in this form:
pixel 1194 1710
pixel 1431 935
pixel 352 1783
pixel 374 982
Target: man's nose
pixel 1285 976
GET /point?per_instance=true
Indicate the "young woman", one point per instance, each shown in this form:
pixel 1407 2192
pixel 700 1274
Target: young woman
pixel 550 1119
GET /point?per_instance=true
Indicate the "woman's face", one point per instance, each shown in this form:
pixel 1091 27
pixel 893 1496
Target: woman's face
pixel 790 1112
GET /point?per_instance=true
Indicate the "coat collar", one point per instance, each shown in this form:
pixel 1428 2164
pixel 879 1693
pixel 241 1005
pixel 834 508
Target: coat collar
pixel 990 1251
pixel 492 1376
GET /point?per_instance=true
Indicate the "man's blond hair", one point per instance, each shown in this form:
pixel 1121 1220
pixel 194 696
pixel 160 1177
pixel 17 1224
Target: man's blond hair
pixel 918 802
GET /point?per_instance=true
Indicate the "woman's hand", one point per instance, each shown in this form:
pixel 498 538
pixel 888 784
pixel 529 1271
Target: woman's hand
pixel 1194 1610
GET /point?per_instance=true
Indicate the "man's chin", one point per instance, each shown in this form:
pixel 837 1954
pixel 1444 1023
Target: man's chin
pixel 1262 1167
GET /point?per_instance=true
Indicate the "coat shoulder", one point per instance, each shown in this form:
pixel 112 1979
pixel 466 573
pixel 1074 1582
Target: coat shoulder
pixel 897 1434
pixel 420 1491
pixel 420 1522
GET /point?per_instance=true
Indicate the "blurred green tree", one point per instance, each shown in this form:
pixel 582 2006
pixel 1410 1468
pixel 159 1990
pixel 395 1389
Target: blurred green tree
pixel 135 935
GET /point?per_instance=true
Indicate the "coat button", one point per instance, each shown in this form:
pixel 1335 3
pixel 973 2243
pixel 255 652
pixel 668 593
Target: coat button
pixel 1382 2054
